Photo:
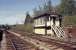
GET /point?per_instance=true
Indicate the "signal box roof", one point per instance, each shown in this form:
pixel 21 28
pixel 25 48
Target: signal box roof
pixel 47 15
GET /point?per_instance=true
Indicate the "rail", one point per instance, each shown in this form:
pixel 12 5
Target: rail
pixel 14 47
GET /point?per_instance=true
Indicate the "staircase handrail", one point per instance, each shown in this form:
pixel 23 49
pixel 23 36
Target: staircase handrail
pixel 56 31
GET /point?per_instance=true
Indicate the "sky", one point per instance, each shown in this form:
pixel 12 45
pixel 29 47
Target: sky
pixel 13 11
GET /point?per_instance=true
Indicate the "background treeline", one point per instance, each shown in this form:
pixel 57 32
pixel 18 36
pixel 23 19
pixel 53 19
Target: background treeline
pixel 66 7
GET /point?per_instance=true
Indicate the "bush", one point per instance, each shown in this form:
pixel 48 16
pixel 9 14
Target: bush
pixel 26 27
pixel 69 20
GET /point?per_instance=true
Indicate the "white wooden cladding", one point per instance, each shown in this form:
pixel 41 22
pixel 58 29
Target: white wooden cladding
pixel 50 22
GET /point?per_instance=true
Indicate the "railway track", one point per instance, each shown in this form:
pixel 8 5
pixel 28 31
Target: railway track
pixel 58 44
pixel 34 42
pixel 10 45
pixel 53 44
pixel 15 43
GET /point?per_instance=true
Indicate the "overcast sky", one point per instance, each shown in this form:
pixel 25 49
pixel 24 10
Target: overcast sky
pixel 13 11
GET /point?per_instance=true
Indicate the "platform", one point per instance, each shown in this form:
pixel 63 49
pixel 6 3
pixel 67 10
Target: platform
pixel 3 43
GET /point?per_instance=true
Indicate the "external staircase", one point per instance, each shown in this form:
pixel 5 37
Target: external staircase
pixel 60 33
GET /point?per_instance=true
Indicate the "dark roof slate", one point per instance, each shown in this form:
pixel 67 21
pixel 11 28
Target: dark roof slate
pixel 45 15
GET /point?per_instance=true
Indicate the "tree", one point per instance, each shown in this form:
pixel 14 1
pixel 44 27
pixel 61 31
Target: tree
pixel 48 7
pixel 67 7
pixel 35 11
pixel 28 18
pixel 38 11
